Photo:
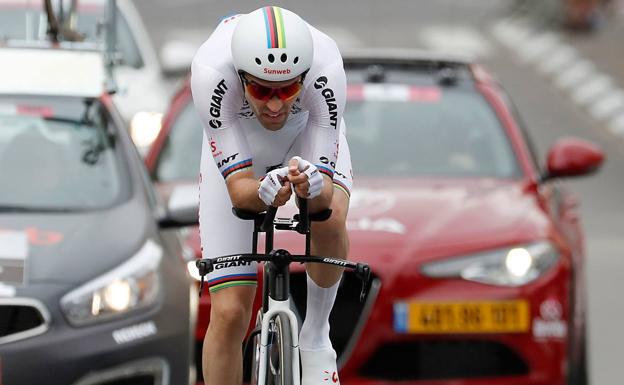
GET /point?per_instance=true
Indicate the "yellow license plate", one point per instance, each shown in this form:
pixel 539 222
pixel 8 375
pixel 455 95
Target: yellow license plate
pixel 462 317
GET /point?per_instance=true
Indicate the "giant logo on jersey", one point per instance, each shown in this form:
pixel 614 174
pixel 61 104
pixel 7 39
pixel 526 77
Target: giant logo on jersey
pixel 226 160
pixel 215 106
pixel 325 160
pixel 330 99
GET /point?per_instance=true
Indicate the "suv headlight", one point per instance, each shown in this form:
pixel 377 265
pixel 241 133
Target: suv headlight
pixel 513 266
pixel 132 285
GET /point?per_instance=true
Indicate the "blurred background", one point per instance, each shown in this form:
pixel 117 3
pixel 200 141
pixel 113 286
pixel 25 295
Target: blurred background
pixel 505 36
pixel 517 41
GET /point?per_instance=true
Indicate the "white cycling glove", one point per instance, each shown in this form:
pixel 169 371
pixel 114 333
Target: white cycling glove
pixel 271 184
pixel 314 177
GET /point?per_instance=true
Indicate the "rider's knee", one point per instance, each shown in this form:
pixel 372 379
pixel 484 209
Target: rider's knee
pixel 336 224
pixel 230 314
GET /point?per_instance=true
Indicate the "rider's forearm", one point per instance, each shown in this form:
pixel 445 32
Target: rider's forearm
pixel 244 194
pixel 323 201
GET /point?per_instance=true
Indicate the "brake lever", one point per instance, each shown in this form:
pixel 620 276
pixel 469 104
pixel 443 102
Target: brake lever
pixel 362 271
pixel 204 266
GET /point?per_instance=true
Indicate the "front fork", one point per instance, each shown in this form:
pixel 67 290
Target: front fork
pixel 279 307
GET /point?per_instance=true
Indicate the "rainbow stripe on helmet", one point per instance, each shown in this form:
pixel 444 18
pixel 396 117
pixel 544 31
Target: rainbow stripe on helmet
pixel 274 23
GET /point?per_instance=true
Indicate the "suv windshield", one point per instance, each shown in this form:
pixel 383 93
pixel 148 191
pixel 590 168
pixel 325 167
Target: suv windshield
pixel 58 154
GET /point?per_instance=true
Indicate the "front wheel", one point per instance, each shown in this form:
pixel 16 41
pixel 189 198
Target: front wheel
pixel 279 361
pixel 280 371
pixel 255 351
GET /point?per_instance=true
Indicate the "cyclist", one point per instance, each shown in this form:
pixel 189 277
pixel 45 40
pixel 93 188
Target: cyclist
pixel 270 90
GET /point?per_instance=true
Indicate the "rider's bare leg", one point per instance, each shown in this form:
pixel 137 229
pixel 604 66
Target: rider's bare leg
pixel 230 312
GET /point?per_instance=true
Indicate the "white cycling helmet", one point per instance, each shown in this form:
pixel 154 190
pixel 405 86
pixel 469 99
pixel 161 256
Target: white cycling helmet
pixel 273 44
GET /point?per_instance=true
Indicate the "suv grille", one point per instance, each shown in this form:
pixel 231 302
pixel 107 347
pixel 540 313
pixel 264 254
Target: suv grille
pixel 442 360
pixel 20 319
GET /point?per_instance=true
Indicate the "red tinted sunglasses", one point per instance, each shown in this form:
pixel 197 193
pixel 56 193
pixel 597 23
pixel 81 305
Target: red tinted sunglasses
pixel 265 93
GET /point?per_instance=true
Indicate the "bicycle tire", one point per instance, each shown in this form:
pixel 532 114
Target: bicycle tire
pixel 255 352
pixel 279 369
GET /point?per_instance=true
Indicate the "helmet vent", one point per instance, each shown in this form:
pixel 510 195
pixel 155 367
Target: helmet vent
pixel 283 58
pixel 296 60
pixel 271 58
pixel 258 62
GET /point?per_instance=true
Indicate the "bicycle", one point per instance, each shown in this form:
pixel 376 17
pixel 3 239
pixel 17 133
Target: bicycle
pixel 275 338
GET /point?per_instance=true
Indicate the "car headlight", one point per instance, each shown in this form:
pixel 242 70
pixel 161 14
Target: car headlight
pixel 512 266
pixel 193 271
pixel 144 127
pixel 132 285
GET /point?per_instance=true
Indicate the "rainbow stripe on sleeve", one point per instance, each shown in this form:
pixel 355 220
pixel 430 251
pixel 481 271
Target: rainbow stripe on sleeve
pixel 325 170
pixel 232 280
pixel 341 186
pixel 236 167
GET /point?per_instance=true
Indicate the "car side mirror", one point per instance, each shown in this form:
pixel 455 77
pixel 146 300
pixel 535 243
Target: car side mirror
pixel 182 208
pixel 176 57
pixel 573 157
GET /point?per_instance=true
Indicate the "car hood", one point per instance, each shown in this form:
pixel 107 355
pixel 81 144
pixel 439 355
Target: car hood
pixel 437 218
pixel 76 246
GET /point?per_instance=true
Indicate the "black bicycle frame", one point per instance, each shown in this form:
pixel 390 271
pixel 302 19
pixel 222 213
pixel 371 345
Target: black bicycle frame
pixel 276 276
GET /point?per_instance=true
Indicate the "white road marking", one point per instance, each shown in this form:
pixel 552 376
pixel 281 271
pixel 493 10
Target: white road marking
pixel 592 89
pixel 608 106
pixel 616 125
pixel 539 46
pixel 567 69
pixel 461 39
pixel 509 33
pixel 574 75
pixel 562 56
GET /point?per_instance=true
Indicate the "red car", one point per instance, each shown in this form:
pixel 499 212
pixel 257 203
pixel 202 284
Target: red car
pixel 476 248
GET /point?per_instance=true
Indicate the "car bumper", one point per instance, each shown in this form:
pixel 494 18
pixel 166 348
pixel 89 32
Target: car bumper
pixel 149 348
pixel 535 357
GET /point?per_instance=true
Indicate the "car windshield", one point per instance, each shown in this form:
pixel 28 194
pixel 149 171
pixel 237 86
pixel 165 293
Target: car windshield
pixel 26 20
pixel 180 156
pixel 58 154
pixel 392 130
pixel 398 130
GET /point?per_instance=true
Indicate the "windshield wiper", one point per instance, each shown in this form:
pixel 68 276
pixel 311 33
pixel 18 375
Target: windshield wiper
pixel 35 209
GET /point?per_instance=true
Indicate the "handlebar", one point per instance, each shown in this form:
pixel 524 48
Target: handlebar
pixel 361 270
pixel 269 218
pixel 266 222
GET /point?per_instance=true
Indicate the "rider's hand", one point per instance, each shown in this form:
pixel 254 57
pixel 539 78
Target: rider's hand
pixel 305 177
pixel 275 189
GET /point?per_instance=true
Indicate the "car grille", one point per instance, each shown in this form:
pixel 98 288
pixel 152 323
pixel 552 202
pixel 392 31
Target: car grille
pixel 346 320
pixel 134 380
pixel 348 314
pixel 21 318
pixel 443 360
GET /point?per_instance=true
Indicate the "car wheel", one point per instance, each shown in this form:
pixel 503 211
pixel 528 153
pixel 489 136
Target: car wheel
pixel 577 371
